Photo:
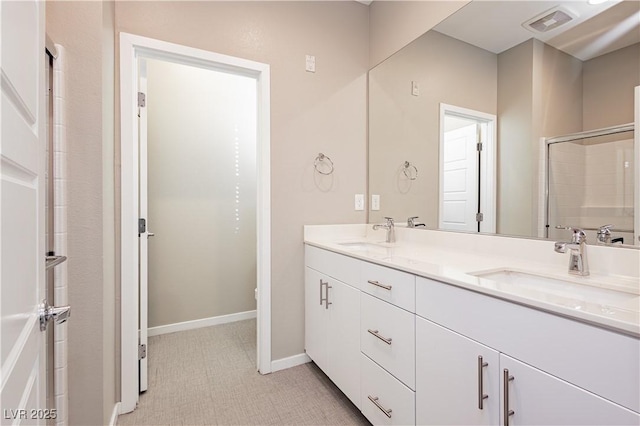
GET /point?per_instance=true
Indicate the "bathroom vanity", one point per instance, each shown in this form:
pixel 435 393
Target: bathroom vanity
pixel 446 328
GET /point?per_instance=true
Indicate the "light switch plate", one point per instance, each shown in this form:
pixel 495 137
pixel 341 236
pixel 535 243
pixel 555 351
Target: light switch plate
pixel 375 202
pixel 359 202
pixel 310 64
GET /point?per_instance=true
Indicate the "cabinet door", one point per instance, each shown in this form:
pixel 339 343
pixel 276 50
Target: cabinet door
pixel 537 398
pixel 449 376
pixel 315 316
pixel 343 339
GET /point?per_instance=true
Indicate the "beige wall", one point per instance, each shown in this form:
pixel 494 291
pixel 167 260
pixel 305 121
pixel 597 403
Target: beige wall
pixel 316 112
pixel 394 24
pixel 608 87
pixel 403 127
pixel 110 384
pixel 80 27
pixel 539 94
pixel 201 129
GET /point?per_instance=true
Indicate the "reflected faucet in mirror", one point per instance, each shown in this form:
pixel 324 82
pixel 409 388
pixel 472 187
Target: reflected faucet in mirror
pixel 578 264
pixel 411 222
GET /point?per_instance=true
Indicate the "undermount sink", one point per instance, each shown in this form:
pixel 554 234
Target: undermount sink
pixel 362 245
pixel 527 284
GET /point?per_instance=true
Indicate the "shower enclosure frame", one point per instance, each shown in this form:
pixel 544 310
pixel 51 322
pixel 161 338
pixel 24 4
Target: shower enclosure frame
pixel 605 131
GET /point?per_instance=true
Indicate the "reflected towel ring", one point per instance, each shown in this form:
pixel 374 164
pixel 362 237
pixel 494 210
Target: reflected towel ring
pixel 410 171
pixel 321 158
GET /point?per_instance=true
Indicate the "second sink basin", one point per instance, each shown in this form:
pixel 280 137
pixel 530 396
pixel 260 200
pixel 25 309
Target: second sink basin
pixel 525 283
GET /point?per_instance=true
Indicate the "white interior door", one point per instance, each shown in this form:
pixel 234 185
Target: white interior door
pixel 22 207
pixel 143 321
pixel 460 179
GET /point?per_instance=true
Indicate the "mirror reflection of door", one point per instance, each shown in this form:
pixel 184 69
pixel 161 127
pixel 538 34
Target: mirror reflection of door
pixel 467 180
pixel 460 174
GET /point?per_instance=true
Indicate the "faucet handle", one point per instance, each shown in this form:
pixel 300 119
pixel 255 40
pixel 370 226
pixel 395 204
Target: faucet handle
pixel 578 235
pixel 389 220
pixel 410 221
pixel 604 229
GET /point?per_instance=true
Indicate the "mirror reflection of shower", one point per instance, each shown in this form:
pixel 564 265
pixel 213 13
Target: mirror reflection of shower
pixel 590 184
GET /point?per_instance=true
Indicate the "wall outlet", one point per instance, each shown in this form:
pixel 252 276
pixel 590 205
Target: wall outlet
pixel 375 202
pixel 359 202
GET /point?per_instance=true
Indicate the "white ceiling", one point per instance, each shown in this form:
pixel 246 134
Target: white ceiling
pixel 496 26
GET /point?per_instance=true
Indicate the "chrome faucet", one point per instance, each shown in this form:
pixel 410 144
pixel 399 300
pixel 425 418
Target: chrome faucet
pixel 578 264
pixel 391 232
pixel 604 234
pixel 411 222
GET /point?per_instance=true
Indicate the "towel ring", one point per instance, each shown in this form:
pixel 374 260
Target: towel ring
pixel 321 158
pixel 407 170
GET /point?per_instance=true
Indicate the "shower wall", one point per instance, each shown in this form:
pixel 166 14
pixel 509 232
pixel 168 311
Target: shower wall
pixel 202 193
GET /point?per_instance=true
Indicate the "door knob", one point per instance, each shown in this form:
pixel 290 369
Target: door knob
pixel 47 313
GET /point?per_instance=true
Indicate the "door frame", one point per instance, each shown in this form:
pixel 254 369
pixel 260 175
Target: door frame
pixel 133 47
pixel 487 164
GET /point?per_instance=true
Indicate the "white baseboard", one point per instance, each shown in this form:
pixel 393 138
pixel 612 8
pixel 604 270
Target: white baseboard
pixel 204 322
pixel 114 415
pixel 292 361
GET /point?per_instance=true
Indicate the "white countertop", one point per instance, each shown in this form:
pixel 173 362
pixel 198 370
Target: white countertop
pixel 421 252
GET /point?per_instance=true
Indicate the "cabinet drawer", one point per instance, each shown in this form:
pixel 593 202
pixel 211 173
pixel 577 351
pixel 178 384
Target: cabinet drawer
pixel 600 361
pixel 388 284
pixel 387 336
pixel 385 401
pixel 338 266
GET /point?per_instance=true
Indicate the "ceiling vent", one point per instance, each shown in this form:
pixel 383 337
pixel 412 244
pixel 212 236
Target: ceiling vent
pixel 549 20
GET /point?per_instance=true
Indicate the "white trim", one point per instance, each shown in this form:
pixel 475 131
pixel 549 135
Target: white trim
pixel 200 323
pixel 291 361
pixel 131 48
pixel 114 414
pixel 636 149
pixel 488 169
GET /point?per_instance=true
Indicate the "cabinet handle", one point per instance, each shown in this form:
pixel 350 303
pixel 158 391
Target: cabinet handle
pixel 377 284
pixel 384 339
pixel 321 284
pixel 326 299
pixel 506 378
pixel 374 399
pixel 481 395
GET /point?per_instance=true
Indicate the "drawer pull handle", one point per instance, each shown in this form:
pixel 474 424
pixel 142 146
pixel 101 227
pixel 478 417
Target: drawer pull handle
pixel 506 378
pixel 384 339
pixel 481 395
pixel 374 399
pixel 377 284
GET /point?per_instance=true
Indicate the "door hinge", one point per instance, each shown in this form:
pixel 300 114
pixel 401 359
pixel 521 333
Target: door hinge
pixel 142 226
pixel 142 351
pixel 479 217
pixel 142 99
pixel 479 146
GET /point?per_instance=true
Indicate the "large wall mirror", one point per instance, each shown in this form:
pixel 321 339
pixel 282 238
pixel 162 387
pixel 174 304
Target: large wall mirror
pixel 512 117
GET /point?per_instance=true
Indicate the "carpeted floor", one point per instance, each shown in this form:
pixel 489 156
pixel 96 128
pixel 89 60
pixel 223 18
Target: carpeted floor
pixel 208 377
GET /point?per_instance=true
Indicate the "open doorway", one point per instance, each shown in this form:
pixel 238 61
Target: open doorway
pixel 467 170
pixel 195 197
pixel 198 196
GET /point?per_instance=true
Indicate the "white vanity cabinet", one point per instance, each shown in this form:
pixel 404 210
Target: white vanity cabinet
pixel 332 326
pixel 412 350
pixel 566 372
pixel 538 398
pixel 457 379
